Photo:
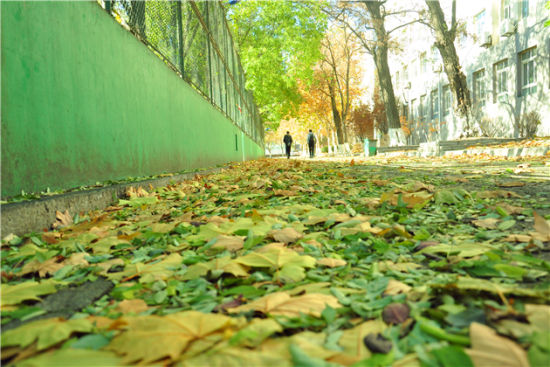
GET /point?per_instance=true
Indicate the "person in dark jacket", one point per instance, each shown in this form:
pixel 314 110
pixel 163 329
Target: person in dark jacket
pixel 311 140
pixel 288 143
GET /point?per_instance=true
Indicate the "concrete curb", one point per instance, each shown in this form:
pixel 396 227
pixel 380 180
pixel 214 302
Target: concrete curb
pixel 36 215
pixel 503 152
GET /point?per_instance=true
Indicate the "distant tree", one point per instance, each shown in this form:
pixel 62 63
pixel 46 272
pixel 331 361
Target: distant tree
pixel 336 82
pixel 278 42
pixel 367 21
pixel 362 121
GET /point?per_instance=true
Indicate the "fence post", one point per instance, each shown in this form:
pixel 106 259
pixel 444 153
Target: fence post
pixel 209 55
pixel 179 15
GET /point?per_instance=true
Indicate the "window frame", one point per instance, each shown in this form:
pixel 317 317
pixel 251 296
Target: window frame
pixel 446 103
pixel 434 101
pixel 480 87
pixel 525 89
pixel 500 79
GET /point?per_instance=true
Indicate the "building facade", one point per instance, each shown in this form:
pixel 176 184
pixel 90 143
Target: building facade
pixel 504 50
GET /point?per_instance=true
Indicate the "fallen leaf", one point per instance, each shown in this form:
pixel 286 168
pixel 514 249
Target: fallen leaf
pixel 132 306
pixel 46 332
pixel 395 313
pixel 282 304
pixel 69 356
pixel 142 335
pixel 542 227
pixel 62 219
pixel 231 243
pixel 30 290
pixel 331 263
pixel 511 184
pixel 396 287
pixel 377 343
pixel 286 235
pixel 489 223
pixel 490 349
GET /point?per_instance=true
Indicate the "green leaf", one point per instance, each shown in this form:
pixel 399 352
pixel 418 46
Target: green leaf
pixel 452 356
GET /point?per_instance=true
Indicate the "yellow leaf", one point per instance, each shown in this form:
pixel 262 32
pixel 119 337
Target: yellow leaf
pixel 231 243
pixel 395 287
pixel 352 342
pixel 331 263
pixel 490 349
pixel 518 238
pixel 62 219
pixel 48 267
pixel 389 265
pixel 225 264
pixel 511 184
pixel 46 332
pixel 14 294
pixel 542 226
pixel 286 235
pixel 149 338
pixel 132 306
pixel 281 303
pixel 489 223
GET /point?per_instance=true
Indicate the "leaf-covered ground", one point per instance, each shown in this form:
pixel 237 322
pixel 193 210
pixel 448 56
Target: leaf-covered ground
pixel 407 262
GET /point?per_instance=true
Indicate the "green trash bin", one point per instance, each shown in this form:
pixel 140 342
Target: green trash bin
pixel 369 147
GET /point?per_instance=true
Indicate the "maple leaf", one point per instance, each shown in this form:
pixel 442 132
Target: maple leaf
pixel 286 235
pixel 542 228
pixel 46 332
pixel 143 335
pixel 288 264
pixel 490 349
pixel 132 306
pixel 231 243
pixel 62 219
pixel 331 263
pixel 282 304
pixel 352 342
pixel 30 290
pixel 149 273
pixel 218 265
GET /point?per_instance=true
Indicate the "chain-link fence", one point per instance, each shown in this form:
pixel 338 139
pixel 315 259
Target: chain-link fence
pixel 193 38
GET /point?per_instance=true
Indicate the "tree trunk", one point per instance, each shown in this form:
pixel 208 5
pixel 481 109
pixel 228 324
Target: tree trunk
pixel 457 80
pixel 336 114
pixel 380 54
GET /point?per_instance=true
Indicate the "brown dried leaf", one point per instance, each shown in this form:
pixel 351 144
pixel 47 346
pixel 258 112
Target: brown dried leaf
pixel 395 287
pixel 395 313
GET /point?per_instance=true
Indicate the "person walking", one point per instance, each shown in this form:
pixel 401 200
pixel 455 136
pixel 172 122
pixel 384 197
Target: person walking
pixel 288 143
pixel 311 140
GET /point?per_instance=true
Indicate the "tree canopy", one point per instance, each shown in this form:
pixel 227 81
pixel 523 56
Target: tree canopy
pixel 279 42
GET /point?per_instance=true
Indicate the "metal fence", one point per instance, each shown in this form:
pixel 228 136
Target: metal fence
pixel 192 37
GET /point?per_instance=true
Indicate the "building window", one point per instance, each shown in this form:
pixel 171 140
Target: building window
pixel 524 8
pixel 479 21
pixel 500 81
pixel 505 9
pixel 434 98
pixel 527 72
pixel 423 63
pixel 479 87
pixel 446 107
pixel 422 109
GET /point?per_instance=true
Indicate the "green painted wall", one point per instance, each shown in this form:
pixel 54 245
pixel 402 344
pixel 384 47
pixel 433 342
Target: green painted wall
pixel 84 101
